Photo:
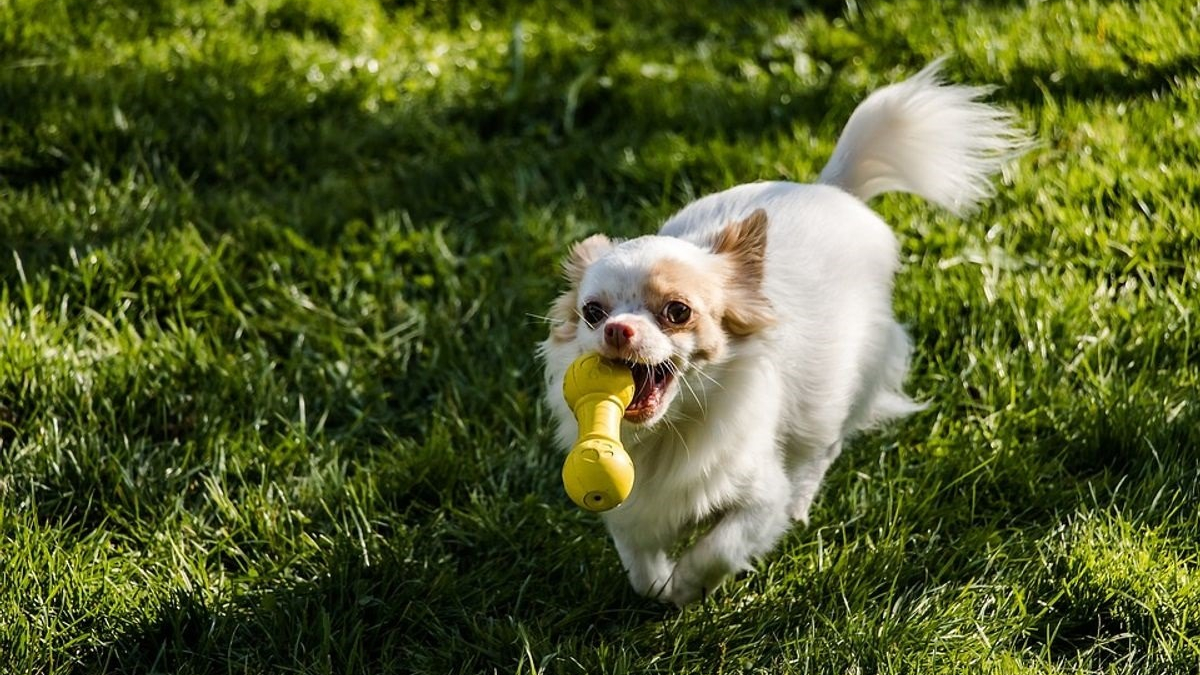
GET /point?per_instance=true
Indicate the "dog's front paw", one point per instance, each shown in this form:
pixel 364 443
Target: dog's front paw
pixel 684 593
pixel 696 575
pixel 665 585
pixel 652 577
pixel 686 585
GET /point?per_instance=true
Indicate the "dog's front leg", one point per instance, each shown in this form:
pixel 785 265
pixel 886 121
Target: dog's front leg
pixel 744 533
pixel 646 563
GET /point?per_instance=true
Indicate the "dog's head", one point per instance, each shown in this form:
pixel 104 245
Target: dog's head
pixel 662 305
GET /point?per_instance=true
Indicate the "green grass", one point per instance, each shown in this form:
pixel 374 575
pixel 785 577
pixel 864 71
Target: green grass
pixel 269 278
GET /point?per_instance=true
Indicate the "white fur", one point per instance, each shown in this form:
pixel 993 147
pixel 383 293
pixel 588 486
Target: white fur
pixel 923 137
pixel 618 276
pixel 747 440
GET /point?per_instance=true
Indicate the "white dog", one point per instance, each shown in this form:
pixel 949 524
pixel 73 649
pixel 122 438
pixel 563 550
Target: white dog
pixel 759 329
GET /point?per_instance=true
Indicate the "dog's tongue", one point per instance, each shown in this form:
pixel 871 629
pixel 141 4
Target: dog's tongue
pixel 648 382
pixel 643 380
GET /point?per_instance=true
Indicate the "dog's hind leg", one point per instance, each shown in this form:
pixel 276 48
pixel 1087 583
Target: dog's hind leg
pixel 806 474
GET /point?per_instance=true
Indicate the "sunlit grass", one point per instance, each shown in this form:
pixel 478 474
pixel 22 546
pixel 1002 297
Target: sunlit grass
pixel 271 276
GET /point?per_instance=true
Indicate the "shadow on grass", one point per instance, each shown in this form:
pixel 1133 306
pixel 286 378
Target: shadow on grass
pixel 476 608
pixel 487 587
pixel 243 139
pixel 224 140
pixel 1034 85
pixel 482 595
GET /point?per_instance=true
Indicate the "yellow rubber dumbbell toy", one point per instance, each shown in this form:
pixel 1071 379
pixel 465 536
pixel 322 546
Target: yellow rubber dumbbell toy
pixel 598 473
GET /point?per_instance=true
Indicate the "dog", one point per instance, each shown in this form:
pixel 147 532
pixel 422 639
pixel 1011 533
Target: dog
pixel 759 330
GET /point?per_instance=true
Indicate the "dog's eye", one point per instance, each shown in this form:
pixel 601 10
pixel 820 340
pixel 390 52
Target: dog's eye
pixel 676 312
pixel 593 313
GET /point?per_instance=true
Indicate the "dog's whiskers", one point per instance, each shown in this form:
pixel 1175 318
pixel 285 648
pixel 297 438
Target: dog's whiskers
pixel 678 374
pixel 678 434
pixel 678 371
pixel 545 319
pixel 700 372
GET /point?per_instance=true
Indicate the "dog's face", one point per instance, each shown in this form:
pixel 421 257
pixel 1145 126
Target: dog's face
pixel 662 305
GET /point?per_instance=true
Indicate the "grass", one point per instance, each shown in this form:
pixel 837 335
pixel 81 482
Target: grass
pixel 269 274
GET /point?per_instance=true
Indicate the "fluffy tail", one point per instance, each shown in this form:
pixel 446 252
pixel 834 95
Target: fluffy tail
pixel 925 137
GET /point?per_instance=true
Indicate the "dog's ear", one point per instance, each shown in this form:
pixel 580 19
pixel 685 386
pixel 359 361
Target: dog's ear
pixel 582 254
pixel 563 316
pixel 743 244
pixel 563 319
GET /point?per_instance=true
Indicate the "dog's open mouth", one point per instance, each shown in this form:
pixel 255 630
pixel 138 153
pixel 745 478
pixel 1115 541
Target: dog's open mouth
pixel 651 382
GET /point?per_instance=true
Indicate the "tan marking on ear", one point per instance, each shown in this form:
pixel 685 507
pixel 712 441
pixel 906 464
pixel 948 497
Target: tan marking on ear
pixel 582 254
pixel 563 316
pixel 563 319
pixel 743 244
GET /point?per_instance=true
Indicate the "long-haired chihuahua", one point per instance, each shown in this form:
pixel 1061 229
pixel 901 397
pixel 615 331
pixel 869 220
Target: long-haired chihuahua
pixel 759 330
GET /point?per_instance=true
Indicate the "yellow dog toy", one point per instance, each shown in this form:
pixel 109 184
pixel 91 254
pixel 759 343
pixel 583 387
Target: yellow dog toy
pixel 598 473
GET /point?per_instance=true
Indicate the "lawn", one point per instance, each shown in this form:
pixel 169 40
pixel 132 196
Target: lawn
pixel 271 280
